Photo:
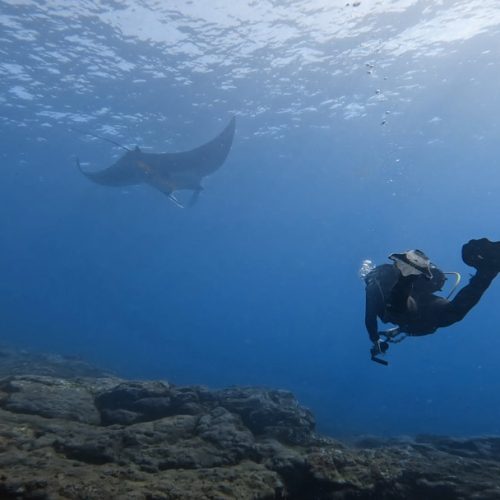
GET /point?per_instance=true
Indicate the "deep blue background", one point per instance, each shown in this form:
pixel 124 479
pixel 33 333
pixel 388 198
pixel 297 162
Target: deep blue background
pixel 258 284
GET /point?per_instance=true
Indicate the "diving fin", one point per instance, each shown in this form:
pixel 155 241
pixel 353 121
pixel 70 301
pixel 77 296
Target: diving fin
pixel 482 254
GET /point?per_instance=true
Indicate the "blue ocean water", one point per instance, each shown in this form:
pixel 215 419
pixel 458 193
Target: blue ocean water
pixel 362 129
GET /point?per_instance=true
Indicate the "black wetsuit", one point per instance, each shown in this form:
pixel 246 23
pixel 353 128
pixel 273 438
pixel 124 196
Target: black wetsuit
pixel 404 301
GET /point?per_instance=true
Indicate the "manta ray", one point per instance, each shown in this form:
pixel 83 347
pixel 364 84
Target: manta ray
pixel 167 172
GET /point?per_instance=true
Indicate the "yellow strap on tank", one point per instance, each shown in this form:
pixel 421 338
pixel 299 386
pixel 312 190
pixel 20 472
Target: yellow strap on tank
pixel 458 278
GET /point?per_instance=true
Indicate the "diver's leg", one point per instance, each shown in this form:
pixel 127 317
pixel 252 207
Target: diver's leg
pixel 483 255
pixel 468 296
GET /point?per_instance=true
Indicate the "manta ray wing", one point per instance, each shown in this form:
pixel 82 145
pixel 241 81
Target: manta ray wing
pixel 186 169
pixel 203 160
pixel 125 172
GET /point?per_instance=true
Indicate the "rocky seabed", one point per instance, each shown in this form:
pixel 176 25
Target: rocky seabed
pixel 69 431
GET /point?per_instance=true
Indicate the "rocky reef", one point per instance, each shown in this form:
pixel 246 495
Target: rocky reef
pixel 70 431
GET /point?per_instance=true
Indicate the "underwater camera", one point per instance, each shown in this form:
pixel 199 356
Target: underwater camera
pixel 379 348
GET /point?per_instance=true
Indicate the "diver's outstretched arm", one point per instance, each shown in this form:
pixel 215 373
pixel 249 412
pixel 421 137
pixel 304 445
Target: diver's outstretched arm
pixel 374 306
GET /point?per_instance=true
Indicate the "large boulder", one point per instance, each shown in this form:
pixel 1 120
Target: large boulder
pixel 270 412
pixel 49 397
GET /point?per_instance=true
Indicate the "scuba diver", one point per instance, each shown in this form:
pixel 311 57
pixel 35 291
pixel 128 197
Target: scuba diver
pixel 403 293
